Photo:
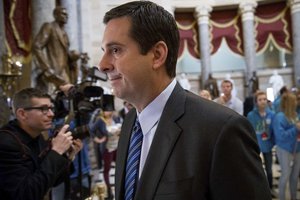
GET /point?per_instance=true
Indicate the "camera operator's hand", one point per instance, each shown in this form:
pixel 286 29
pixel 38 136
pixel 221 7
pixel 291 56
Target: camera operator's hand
pixel 63 141
pixel 66 88
pixel 74 149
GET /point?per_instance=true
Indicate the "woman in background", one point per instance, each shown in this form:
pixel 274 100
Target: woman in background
pixel 205 94
pixel 109 155
pixel 287 138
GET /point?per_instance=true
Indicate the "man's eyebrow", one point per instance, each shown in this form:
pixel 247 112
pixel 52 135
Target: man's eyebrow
pixel 113 43
pixel 44 105
pixel 110 44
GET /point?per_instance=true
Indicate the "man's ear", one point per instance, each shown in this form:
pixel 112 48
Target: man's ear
pixel 21 114
pixel 160 52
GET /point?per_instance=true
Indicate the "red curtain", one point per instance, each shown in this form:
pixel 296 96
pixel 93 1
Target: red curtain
pixel 226 24
pixel 17 15
pixel 188 30
pixel 273 23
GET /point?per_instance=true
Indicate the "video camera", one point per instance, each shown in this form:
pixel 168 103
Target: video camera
pixel 77 108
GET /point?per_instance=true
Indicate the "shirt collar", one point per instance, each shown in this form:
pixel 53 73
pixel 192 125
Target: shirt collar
pixel 151 114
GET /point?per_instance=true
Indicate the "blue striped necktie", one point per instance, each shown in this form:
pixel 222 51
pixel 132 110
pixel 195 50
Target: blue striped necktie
pixel 133 161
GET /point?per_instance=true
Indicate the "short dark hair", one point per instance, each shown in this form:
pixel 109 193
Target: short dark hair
pixel 283 90
pixel 227 81
pixel 23 97
pixel 151 23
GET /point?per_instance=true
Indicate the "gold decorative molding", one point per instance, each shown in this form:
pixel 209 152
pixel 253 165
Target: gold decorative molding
pixel 10 74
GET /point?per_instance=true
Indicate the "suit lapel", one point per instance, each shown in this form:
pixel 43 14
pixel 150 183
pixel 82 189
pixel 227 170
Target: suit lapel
pixel 166 135
pixel 62 35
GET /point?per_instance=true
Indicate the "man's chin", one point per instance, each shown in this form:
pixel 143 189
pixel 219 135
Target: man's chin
pixel 47 127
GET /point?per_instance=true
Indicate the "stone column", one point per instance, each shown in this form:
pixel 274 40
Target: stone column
pixel 72 25
pixel 79 19
pixel 295 12
pixel 167 4
pixel 203 14
pixel 42 12
pixel 247 9
pixel 73 29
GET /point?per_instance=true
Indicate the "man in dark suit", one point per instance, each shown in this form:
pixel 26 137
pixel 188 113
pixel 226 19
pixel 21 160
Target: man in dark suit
pixel 191 148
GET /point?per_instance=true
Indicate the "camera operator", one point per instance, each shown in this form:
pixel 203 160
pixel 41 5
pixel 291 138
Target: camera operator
pixel 75 106
pixel 29 165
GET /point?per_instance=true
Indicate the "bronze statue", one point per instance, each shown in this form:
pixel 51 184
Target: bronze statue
pixel 212 86
pixel 253 84
pixel 51 50
pixel 73 67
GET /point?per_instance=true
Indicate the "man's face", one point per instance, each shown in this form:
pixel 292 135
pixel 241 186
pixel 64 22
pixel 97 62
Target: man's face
pixel 262 101
pixel 127 69
pixel 36 119
pixel 62 16
pixel 226 88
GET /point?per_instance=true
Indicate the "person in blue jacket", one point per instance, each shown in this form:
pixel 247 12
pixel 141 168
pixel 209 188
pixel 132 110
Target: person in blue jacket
pixel 286 127
pixel 298 102
pixel 261 118
pixel 276 103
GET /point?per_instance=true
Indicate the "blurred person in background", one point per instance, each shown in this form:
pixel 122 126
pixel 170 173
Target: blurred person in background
pixel 276 103
pixel 109 155
pixel 287 139
pixel 261 118
pixel 127 107
pixel 228 99
pixel 205 94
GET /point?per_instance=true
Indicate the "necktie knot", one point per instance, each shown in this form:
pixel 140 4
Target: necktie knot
pixel 133 161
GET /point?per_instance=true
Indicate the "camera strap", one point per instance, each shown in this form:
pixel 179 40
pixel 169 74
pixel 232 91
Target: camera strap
pixel 22 146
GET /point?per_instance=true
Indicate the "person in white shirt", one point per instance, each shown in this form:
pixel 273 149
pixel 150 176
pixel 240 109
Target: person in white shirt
pixel 227 99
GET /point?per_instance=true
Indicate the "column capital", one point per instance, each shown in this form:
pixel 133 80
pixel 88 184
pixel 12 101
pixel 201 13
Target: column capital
pixel 203 13
pixel 295 5
pixel 247 8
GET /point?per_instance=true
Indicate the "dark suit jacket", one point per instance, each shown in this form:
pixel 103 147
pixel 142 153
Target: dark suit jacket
pixel 201 150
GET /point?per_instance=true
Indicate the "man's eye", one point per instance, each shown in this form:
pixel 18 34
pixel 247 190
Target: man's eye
pixel 46 109
pixel 115 50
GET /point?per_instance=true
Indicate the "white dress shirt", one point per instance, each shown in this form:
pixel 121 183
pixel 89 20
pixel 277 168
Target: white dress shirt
pixel 149 118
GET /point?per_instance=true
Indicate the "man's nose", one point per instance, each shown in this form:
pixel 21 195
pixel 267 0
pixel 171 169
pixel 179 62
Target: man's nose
pixel 105 64
pixel 50 113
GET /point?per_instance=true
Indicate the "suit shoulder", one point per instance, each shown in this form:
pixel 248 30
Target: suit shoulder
pixel 209 107
pixel 250 114
pixel 47 26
